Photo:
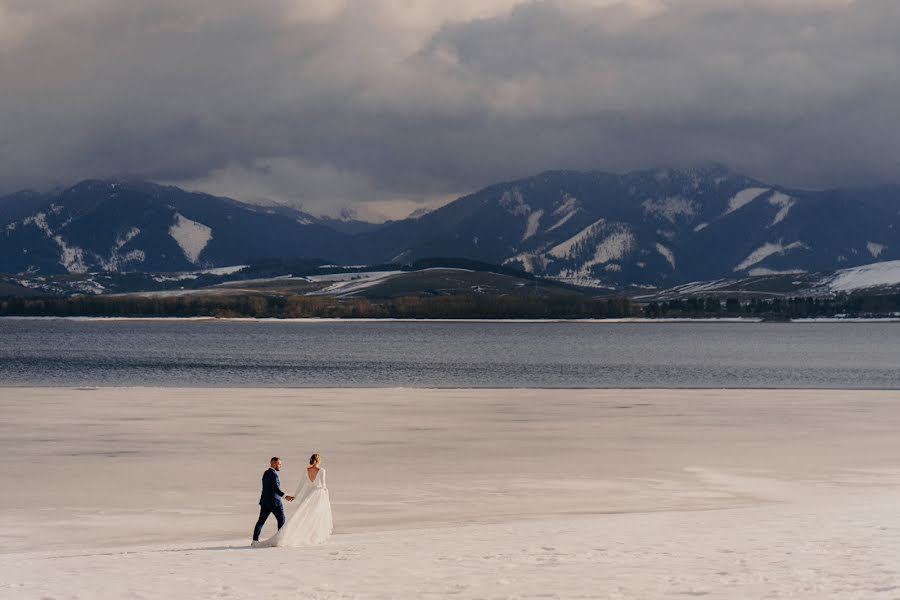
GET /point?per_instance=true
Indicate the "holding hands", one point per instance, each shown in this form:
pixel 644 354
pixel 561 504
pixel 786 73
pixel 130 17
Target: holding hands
pixel 289 498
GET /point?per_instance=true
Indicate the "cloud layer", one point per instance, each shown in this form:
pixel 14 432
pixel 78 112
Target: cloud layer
pixel 329 103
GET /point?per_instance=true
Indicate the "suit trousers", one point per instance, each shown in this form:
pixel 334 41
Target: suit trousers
pixel 264 512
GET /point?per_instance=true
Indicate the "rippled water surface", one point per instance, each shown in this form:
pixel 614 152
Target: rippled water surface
pixel 442 354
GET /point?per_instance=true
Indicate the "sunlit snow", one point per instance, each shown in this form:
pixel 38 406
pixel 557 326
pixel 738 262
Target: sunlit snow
pixel 71 257
pixel 348 283
pixel 118 262
pixel 743 198
pixel 670 208
pixel 765 251
pixel 667 254
pixel 867 276
pixel 191 236
pixel 784 202
pixel 875 249
pixel 763 271
pixel 534 221
pixel 514 202
pixel 613 248
pixel 564 249
pixel 567 209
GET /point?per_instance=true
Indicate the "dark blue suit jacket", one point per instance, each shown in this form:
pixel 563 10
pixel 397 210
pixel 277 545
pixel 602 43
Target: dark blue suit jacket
pixel 271 490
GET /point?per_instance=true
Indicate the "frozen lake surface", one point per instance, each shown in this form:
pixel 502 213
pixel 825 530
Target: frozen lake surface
pixel 631 494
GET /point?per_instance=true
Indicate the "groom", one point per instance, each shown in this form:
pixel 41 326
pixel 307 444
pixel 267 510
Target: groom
pixel 270 499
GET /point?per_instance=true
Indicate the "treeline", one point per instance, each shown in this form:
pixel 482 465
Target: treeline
pixel 780 308
pixel 481 306
pixel 259 306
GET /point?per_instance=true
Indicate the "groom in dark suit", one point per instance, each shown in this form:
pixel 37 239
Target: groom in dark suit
pixel 270 499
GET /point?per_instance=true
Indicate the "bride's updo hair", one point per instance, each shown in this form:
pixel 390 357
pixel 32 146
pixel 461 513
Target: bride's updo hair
pixel 313 459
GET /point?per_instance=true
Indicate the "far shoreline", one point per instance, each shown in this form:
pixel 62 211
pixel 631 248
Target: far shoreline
pixel 424 388
pixel 314 320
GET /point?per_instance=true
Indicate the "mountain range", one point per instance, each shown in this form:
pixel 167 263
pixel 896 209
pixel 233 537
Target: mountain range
pixel 659 228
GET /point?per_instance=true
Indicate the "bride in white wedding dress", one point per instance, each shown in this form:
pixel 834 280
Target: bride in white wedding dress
pixel 311 523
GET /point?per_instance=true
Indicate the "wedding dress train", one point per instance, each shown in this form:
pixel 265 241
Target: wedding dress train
pixel 311 522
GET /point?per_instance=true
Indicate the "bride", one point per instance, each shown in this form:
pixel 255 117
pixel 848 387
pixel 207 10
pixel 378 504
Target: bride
pixel 311 523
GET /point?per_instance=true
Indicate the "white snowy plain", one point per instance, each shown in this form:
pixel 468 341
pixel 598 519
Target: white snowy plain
pixel 150 493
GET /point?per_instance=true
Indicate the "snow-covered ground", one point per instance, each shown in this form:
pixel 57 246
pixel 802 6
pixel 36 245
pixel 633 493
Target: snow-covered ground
pixel 150 493
pixel 868 276
pixel 348 283
pixel 188 275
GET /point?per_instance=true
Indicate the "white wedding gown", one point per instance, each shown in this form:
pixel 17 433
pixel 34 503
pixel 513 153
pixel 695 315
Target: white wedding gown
pixel 311 522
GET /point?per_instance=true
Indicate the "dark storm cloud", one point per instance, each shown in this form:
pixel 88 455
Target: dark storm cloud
pixel 334 103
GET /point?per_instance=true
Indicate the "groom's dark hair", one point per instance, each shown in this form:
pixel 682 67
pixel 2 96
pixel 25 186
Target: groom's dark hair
pixel 273 459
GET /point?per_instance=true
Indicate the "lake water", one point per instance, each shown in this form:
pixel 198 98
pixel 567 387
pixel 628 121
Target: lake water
pixel 442 354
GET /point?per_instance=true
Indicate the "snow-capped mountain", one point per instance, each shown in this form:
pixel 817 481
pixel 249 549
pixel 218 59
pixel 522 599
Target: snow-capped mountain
pixel 126 226
pixel 658 227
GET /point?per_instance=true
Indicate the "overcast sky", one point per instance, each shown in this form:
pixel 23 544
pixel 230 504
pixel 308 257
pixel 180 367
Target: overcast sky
pixel 384 104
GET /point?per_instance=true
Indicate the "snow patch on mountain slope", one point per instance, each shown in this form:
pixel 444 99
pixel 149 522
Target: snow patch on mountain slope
pixel 562 221
pixel 875 249
pixel 564 249
pixel 765 251
pixel 743 198
pixel 534 221
pixel 785 203
pixel 569 204
pixel 39 220
pixel 118 262
pixel 701 227
pixel 564 211
pixel 868 276
pixel 514 203
pixel 696 287
pixel 191 236
pixel 667 254
pixel 670 208
pixel 615 247
pixel 71 257
pixel 763 271
pixel 531 262
pixel 77 260
pixel 125 238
